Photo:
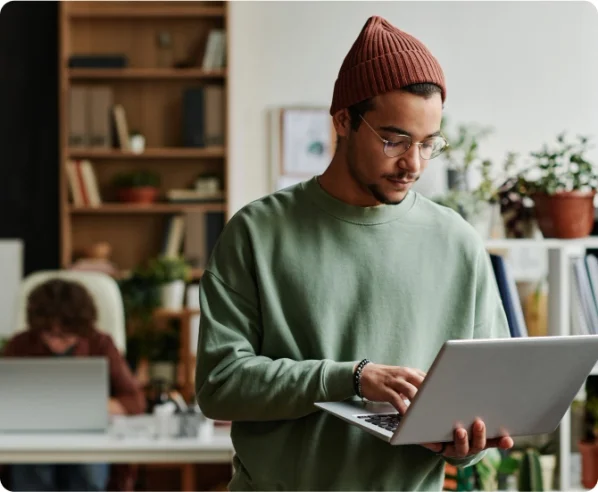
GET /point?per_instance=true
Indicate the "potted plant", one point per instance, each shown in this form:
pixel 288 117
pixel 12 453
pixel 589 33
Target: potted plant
pixel 2 344
pixel 171 275
pixel 462 154
pixel 137 186
pixel 562 185
pixel 588 447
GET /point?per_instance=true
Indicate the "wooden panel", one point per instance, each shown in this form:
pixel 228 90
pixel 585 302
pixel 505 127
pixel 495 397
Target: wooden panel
pixel 149 153
pixel 144 73
pixel 65 223
pixel 130 209
pixel 144 9
pixel 137 39
pixel 133 238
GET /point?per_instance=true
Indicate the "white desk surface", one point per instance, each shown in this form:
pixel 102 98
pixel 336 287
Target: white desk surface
pixel 91 448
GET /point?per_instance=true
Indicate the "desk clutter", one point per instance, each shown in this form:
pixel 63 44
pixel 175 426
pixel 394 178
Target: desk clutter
pixel 164 423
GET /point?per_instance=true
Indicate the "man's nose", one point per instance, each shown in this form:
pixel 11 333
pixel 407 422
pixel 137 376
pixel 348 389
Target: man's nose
pixel 411 160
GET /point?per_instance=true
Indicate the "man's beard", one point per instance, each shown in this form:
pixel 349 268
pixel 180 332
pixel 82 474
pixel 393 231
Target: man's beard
pixel 374 189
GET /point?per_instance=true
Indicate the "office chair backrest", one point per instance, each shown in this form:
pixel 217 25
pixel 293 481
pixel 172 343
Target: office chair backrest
pixel 103 289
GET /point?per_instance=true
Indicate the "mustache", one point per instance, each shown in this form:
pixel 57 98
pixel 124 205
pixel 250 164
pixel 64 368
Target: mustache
pixel 403 175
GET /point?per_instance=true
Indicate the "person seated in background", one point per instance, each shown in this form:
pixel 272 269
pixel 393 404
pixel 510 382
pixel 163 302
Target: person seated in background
pixel 61 319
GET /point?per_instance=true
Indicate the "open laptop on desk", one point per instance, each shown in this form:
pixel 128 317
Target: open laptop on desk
pixel 519 386
pixel 53 394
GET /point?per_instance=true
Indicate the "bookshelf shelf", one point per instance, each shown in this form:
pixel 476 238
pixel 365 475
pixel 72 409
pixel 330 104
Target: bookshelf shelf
pixel 587 242
pixel 144 74
pixel 154 208
pixel 149 153
pixel 132 11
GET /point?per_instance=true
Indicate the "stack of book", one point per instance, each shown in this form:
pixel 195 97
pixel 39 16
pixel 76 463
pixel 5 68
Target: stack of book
pixel 509 295
pixel 584 295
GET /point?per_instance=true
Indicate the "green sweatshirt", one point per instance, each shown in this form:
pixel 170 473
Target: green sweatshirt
pixel 299 288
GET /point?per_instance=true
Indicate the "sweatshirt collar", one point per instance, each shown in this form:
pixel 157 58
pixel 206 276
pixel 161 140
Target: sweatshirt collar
pixel 352 213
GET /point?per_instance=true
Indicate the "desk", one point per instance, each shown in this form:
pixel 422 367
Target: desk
pixel 105 448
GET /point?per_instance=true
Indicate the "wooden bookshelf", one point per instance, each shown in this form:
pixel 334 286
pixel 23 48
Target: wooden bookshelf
pixel 145 10
pixel 151 93
pixel 143 73
pixel 149 153
pixel 154 208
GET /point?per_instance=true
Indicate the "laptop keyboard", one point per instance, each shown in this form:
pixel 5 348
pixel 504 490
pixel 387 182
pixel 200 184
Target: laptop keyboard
pixel 389 422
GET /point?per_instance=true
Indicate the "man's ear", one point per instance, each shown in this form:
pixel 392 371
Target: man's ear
pixel 342 122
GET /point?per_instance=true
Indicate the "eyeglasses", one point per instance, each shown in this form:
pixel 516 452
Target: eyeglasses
pixel 428 149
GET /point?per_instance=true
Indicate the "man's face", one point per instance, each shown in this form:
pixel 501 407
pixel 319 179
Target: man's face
pixel 388 179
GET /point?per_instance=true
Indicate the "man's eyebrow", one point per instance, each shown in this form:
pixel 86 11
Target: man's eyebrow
pixel 400 131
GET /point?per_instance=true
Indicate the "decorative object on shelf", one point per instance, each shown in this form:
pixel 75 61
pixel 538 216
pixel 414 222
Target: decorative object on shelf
pixel 97 60
pixel 165 55
pixel 136 142
pixel 137 186
pixel 562 185
pixel 207 183
pixel 95 258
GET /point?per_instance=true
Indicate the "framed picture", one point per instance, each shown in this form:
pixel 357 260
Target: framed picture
pixel 303 144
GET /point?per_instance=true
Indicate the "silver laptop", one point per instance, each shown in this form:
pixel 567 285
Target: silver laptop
pixel 53 394
pixel 519 386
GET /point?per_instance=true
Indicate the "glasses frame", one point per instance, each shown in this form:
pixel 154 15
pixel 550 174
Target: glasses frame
pixel 386 142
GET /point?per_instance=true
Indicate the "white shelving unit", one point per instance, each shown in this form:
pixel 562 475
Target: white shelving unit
pixel 559 252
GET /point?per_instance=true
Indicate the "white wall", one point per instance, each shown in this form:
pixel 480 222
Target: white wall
pixel 529 69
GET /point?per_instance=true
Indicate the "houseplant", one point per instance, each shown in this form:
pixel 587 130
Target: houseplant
pixel 137 186
pixel 171 275
pixel 151 350
pixel 562 184
pixel 588 446
pixel 462 154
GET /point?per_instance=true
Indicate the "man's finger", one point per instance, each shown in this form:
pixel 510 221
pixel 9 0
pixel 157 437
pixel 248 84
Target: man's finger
pixel 397 401
pixel 500 442
pixel 478 438
pixel 415 376
pixel 461 443
pixel 401 386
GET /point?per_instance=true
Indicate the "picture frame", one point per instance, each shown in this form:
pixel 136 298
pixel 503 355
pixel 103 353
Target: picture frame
pixel 303 143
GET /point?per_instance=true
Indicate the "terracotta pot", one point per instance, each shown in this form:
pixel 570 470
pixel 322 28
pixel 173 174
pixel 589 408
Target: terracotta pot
pixel 589 464
pixel 566 214
pixel 142 194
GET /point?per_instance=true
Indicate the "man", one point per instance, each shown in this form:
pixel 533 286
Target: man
pixel 309 281
pixel 61 317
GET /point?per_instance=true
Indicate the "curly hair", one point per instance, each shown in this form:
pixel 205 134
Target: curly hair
pixel 64 302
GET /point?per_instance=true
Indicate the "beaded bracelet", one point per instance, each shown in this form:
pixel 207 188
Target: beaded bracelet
pixel 357 377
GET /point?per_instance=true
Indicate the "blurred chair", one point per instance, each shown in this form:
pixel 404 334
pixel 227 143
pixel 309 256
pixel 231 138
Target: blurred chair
pixel 103 289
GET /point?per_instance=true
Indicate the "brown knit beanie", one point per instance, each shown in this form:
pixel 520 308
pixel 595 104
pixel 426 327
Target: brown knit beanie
pixel 383 59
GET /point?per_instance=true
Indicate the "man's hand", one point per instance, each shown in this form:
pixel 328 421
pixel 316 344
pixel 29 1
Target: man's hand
pixel 461 447
pixel 391 384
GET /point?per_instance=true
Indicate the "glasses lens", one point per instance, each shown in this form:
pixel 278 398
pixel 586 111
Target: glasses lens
pixel 396 147
pixel 432 147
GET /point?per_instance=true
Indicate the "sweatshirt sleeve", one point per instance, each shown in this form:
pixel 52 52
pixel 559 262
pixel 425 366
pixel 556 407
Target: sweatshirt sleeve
pixel 490 322
pixel 235 382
